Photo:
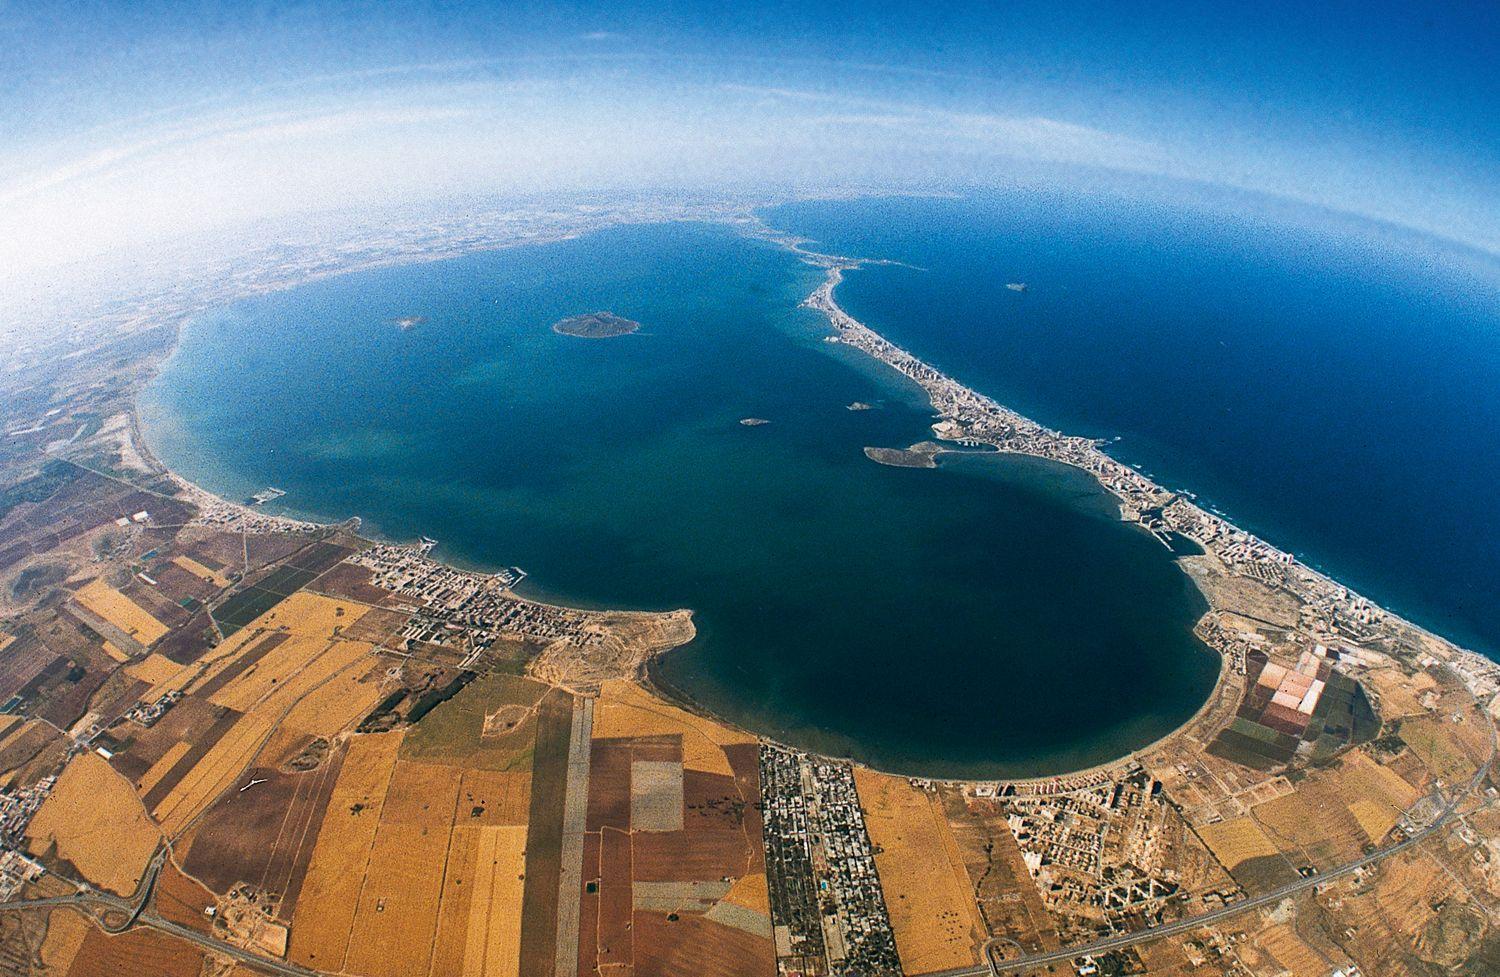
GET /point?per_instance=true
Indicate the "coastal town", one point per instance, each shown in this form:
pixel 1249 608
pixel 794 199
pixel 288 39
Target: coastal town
pixel 235 742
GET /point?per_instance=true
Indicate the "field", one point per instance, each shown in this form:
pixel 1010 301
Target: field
pixel 264 835
pixel 454 732
pixel 210 775
pixel 927 890
pixel 120 611
pixel 140 951
pixel 260 599
pixel 625 709
pixel 1008 899
pixel 158 670
pixel 421 864
pixel 1313 824
pixel 493 938
pixel 1237 841
pixel 66 930
pixel 1376 795
pixel 215 577
pixel 673 879
pixel 1439 744
pixel 278 690
pixel 330 894
pixel 93 819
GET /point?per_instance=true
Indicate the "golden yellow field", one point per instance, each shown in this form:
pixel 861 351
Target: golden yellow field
pixel 120 611
pixel 202 572
pixel 160 768
pixel 221 656
pixel 493 945
pixel 114 652
pixel 311 615
pixel 157 669
pixel 1295 956
pixel 65 932
pixel 335 704
pixel 927 890
pixel 506 796
pixel 1315 819
pixel 396 920
pixel 96 822
pixel 625 709
pixel 211 775
pixel 297 661
pixel 1236 840
pixel 749 891
pixel 5 640
pixel 451 939
pixel 335 876
pixel 1377 795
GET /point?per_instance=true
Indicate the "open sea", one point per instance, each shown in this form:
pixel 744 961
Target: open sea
pixel 989 617
pixel 1329 384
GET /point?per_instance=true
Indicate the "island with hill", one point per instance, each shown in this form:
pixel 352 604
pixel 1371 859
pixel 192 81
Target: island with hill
pixel 314 752
pixel 595 325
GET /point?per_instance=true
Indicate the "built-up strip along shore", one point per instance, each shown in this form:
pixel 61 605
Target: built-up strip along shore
pixel 1333 613
pixel 625 643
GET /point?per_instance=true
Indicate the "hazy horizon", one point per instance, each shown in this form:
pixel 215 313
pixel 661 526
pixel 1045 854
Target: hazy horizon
pixel 134 128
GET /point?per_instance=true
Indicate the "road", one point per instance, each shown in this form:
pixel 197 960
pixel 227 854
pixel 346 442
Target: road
pixel 96 904
pixel 1191 923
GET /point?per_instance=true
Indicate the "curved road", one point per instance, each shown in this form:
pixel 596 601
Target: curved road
pixel 995 967
pixel 94 903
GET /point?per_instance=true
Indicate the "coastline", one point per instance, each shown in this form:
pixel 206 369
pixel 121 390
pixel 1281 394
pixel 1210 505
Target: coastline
pixel 966 411
pixel 975 421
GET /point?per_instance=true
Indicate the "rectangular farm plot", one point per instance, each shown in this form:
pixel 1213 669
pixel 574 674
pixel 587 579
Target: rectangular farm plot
pixel 625 710
pixel 215 577
pixel 1236 841
pixel 120 611
pixel 330 893
pixel 673 870
pixel 493 938
pixel 926 886
pixel 160 768
pixel 277 601
pixel 656 795
pixel 213 774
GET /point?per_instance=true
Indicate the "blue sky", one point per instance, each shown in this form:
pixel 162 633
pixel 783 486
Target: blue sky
pixel 127 122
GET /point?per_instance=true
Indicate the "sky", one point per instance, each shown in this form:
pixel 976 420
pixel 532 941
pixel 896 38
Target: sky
pixel 129 124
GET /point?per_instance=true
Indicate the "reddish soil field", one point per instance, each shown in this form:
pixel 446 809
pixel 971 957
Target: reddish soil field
pixel 350 581
pixel 588 914
pixel 182 900
pixel 140 951
pixel 616 902
pixel 693 946
pixel 265 835
pixel 609 785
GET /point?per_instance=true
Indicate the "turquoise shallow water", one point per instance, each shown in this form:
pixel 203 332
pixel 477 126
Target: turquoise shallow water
pixel 992 616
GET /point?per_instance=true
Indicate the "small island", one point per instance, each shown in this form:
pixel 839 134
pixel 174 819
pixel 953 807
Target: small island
pixel 596 325
pixel 919 455
pixel 860 405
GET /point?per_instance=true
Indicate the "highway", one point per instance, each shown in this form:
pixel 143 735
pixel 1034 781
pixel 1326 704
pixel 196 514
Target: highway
pixel 994 967
pixel 96 904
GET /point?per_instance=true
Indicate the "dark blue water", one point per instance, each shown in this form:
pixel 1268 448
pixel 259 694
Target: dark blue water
pixel 1332 386
pixel 990 616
